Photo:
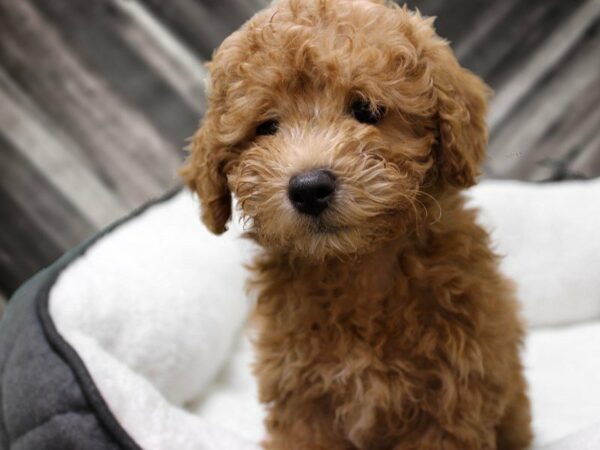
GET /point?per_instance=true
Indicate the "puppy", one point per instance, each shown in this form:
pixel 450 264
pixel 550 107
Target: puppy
pixel 347 130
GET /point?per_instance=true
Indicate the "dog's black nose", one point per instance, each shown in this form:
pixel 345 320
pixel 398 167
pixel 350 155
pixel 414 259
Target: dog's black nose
pixel 311 192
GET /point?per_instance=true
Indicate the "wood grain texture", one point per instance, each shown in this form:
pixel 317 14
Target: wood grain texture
pixel 118 139
pixel 98 98
pixel 53 156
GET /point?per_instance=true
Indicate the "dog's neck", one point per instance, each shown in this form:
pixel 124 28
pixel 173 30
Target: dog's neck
pixel 440 244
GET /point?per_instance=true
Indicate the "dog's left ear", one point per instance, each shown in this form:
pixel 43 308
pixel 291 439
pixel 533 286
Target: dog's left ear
pixel 462 106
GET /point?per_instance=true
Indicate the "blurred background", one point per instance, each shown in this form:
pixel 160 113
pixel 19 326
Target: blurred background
pixel 97 99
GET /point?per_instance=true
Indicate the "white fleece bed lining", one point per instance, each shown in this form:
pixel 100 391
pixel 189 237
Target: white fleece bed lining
pixel 156 311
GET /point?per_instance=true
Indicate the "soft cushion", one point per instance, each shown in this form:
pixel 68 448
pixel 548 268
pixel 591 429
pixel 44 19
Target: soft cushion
pixel 548 234
pixel 161 295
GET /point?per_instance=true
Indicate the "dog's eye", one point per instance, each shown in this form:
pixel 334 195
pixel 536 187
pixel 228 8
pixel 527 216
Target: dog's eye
pixel 364 112
pixel 267 128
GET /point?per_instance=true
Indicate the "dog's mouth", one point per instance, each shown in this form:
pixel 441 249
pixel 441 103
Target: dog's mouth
pixel 322 227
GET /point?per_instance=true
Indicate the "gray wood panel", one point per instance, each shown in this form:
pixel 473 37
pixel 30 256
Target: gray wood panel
pixel 98 98
pixel 117 139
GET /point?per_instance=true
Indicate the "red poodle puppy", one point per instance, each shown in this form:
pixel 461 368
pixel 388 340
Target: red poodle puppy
pixel 346 130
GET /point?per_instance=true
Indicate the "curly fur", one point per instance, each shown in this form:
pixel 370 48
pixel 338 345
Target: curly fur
pixel 384 323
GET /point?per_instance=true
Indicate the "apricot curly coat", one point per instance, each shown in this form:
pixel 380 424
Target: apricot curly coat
pixel 383 323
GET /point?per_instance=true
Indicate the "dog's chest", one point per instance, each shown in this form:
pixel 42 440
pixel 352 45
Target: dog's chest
pixel 357 351
pixel 343 343
pixel 354 362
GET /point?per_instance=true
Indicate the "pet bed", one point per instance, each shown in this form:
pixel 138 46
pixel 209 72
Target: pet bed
pixel 134 339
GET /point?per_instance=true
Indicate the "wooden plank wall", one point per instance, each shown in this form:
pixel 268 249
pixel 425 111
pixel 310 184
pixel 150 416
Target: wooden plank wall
pixel 97 100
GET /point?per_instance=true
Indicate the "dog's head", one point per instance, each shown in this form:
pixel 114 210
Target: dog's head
pixel 333 122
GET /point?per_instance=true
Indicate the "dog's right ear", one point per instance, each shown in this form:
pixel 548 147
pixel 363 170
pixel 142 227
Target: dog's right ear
pixel 203 174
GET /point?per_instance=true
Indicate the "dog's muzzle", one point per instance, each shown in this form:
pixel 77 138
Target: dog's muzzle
pixel 312 192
